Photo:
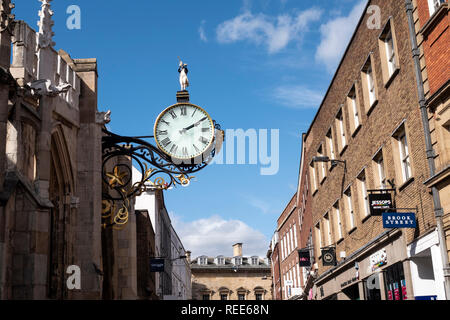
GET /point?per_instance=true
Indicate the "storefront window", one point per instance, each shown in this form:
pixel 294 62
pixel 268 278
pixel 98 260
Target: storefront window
pixel 352 292
pixel 372 287
pixel 395 282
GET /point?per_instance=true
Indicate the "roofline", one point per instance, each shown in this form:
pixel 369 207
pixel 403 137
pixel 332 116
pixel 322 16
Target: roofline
pixel 338 67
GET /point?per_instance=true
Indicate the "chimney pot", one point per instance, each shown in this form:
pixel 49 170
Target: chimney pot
pixel 237 250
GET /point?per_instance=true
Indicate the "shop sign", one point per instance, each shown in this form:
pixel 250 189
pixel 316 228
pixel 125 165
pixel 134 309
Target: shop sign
pixel 346 283
pixel 304 258
pixel 379 203
pixel 329 257
pixel 156 265
pixel 399 220
pixel 425 297
pixel 378 259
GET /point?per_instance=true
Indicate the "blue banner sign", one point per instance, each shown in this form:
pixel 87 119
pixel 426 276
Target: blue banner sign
pixel 399 220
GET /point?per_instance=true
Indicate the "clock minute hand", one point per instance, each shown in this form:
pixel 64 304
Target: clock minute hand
pixel 193 125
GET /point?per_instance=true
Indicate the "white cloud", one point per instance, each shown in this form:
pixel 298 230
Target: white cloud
pixel 215 236
pixel 201 31
pixel 273 32
pixel 335 35
pixel 297 97
pixel 261 205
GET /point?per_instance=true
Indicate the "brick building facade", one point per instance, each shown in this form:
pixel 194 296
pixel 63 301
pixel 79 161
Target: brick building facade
pixel 291 280
pixel 430 26
pixel 371 122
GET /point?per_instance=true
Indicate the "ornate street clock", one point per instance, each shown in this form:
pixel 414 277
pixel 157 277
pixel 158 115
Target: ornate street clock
pixel 184 131
pixel 187 140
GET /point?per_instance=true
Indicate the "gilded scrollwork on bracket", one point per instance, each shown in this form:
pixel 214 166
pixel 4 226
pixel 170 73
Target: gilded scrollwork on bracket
pixel 158 172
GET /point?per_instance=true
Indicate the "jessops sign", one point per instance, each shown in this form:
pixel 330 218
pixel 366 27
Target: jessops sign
pixel 379 203
pixel 399 220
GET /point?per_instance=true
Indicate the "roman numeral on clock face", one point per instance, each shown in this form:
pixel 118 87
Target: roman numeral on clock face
pixel 165 122
pixel 205 129
pixel 161 132
pixel 173 114
pixel 185 152
pixel 174 149
pixel 166 142
pixel 183 111
pixel 203 140
pixel 196 149
pixel 194 112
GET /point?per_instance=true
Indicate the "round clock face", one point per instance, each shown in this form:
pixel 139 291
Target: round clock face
pixel 184 131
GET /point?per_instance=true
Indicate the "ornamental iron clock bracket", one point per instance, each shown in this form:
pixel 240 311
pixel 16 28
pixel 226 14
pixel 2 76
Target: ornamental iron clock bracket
pixel 158 170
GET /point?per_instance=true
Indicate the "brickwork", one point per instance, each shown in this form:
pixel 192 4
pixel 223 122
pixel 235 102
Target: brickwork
pixel 433 37
pixel 395 109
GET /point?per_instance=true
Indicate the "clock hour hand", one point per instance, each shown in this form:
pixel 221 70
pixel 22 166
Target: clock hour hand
pixel 193 125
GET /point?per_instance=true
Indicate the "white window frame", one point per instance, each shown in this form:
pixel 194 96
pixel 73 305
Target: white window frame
pixel 313 168
pixel 365 198
pixel 291 237
pixel 330 144
pixel 390 52
pixel 342 129
pixel 328 225
pixel 381 172
pixel 338 219
pixel 349 205
pixel 370 84
pixel 405 159
pixel 319 234
pixel 355 109
pixel 433 5
pixel 295 236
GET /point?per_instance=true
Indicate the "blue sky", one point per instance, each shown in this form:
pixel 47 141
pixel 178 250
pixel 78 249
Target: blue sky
pixel 252 64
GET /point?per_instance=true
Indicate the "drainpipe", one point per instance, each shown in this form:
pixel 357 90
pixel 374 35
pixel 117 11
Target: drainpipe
pixel 438 211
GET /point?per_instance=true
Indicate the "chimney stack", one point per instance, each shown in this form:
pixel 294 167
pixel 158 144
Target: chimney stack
pixel 237 250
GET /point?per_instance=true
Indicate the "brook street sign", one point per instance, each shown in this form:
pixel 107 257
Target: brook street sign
pixel 399 220
pixel 379 203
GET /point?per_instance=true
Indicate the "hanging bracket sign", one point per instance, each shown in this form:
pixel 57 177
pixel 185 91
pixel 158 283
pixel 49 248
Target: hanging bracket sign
pixel 379 203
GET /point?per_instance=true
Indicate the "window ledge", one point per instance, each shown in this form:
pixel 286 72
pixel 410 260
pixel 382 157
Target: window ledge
pixel 372 107
pixel 352 230
pixel 366 218
pixel 405 184
pixel 434 19
pixel 391 78
pixel 356 130
pixel 343 150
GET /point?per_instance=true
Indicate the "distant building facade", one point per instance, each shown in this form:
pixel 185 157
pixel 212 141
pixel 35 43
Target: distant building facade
pixel 231 278
pixel 174 283
pixel 292 278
